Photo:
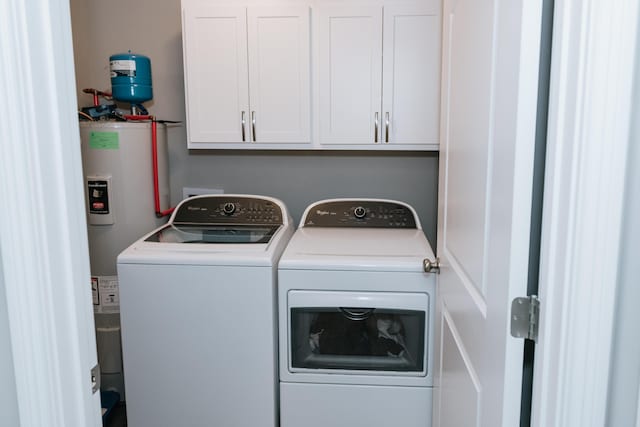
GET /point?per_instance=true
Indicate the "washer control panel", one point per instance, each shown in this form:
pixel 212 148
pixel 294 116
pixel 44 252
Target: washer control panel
pixel 360 213
pixel 228 210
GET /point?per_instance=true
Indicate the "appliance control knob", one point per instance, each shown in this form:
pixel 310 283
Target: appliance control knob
pixel 229 208
pixel 359 212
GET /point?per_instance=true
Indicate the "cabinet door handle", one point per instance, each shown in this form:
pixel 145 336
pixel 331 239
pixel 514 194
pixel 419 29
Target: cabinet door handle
pixel 243 124
pixel 386 124
pixel 375 129
pixel 253 125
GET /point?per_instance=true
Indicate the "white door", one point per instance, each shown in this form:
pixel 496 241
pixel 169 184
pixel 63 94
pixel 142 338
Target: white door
pixel 411 73
pixel 216 73
pixel 279 74
pixel 44 262
pixel 490 72
pixel 349 72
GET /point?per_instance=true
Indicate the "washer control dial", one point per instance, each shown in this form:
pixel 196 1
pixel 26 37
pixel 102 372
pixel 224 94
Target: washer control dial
pixel 229 208
pixel 359 212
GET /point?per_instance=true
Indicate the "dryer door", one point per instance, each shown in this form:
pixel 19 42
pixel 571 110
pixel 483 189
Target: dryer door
pixel 358 333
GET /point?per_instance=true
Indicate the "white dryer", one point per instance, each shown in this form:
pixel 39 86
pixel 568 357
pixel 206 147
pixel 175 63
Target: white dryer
pixel 199 319
pixel 356 317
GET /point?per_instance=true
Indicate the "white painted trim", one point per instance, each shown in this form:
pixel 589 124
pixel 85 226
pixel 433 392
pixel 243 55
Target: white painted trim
pixel 42 223
pixel 589 115
pixel 638 414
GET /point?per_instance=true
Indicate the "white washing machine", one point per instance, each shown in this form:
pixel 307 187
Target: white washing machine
pixel 199 318
pixel 356 317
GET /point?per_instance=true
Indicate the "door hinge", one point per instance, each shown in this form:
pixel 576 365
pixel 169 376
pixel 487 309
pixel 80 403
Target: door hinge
pixel 431 266
pixel 525 317
pixel 95 378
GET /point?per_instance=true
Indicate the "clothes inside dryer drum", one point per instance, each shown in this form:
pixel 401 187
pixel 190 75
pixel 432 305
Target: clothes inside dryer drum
pixel 335 339
pixel 378 335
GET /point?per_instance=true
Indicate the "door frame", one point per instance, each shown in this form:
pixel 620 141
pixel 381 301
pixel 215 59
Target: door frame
pixel 591 41
pixel 43 236
pixel 593 56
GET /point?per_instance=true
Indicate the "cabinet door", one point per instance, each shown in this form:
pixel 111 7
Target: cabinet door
pixel 411 73
pixel 216 73
pixel 349 72
pixel 279 74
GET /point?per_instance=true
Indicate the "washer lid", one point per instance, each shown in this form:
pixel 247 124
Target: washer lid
pixel 190 233
pixel 223 218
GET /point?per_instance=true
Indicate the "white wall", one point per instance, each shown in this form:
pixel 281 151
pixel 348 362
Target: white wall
pixel 623 405
pixel 153 28
pixel 8 398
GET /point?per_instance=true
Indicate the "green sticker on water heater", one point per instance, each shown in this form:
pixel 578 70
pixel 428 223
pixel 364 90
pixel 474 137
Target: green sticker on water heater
pixel 104 140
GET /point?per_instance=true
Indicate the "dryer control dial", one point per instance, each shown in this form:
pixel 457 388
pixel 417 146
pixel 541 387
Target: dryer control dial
pixel 359 212
pixel 229 208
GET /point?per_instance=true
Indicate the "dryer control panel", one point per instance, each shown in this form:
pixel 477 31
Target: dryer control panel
pixel 360 213
pixel 222 210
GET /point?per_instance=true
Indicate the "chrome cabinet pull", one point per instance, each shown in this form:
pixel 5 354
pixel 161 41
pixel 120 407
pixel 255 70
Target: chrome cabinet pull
pixel 386 124
pixel 243 124
pixel 375 138
pixel 253 125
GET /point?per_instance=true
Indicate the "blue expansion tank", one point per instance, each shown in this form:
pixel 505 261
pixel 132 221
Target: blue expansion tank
pixel 131 78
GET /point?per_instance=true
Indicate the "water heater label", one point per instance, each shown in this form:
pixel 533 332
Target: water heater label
pixel 123 67
pixel 104 140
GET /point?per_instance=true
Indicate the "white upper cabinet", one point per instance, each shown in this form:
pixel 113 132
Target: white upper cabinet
pixel 279 74
pixel 378 71
pixel 349 72
pixel 312 74
pixel 216 69
pixel 246 75
pixel 411 74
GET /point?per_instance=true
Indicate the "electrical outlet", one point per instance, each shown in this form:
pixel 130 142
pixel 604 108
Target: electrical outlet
pixel 193 191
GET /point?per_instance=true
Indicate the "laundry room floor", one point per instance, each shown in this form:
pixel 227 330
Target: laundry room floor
pixel 117 418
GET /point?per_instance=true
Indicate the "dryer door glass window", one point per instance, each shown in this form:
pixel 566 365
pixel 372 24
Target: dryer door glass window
pixel 358 339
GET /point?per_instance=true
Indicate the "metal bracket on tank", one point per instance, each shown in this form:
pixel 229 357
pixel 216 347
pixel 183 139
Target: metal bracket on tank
pixel 431 266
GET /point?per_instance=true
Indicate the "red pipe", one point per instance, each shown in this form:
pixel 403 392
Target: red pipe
pixel 96 93
pixel 154 154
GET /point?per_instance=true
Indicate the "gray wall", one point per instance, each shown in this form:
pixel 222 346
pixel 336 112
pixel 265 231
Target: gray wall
pixel 8 398
pixel 153 28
